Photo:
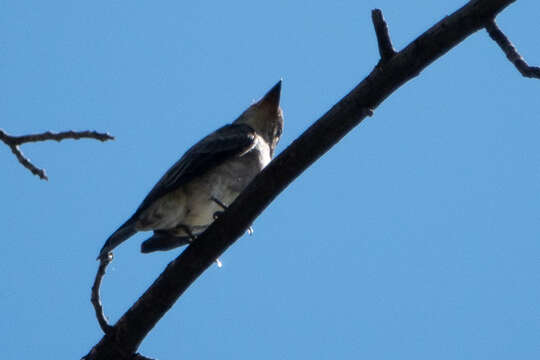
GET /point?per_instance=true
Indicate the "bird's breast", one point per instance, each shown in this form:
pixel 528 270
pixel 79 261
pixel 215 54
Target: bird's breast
pixel 225 183
pixel 192 204
pixel 231 177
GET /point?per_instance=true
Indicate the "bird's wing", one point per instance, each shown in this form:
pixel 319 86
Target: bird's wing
pixel 229 141
pixel 163 241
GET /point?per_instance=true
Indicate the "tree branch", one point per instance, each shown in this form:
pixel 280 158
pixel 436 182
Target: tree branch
pixel 135 324
pixel 25 162
pixel 95 299
pixel 13 143
pixel 511 53
pixel 386 50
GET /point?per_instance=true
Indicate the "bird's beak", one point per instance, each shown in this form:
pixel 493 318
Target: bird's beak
pixel 272 96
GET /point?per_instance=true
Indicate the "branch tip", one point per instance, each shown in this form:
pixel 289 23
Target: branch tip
pixel 386 50
pixel 24 161
pixel 75 135
pixel 511 52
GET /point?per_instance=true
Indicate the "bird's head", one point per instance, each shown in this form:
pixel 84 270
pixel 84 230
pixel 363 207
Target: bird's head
pixel 265 117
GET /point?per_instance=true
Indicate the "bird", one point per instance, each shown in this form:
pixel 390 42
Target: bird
pixel 206 179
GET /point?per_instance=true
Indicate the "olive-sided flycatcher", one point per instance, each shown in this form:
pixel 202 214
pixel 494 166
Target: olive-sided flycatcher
pixel 206 179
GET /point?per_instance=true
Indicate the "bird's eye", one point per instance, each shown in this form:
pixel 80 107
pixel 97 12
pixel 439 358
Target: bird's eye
pixel 279 131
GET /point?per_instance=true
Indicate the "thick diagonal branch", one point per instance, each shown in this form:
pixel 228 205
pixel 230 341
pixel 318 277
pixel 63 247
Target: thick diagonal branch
pixel 511 53
pixel 14 142
pixel 135 324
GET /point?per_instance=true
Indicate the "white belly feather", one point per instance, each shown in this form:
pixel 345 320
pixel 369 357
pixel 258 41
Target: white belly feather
pixel 192 204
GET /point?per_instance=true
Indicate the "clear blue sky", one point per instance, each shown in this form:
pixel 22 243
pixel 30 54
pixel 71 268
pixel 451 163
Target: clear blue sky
pixel 416 237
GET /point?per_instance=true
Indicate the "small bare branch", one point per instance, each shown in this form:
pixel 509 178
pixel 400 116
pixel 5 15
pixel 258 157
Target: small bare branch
pixel 75 135
pixel 14 141
pixel 383 36
pixel 95 299
pixel 26 162
pixel 511 53
pixel 366 112
pixel 102 320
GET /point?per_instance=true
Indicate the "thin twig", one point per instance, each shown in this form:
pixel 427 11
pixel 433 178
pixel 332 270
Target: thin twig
pixel 75 135
pixel 386 50
pixel 14 141
pixel 511 53
pixel 27 164
pixel 95 298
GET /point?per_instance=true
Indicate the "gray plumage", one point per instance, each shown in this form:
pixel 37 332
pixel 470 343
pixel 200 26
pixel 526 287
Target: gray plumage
pixel 212 173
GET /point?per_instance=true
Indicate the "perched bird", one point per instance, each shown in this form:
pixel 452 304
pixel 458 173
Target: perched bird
pixel 206 179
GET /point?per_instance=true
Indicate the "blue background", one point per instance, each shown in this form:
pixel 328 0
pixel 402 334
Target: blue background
pixel 416 237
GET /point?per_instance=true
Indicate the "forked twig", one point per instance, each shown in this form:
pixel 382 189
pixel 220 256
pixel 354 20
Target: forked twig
pixel 13 142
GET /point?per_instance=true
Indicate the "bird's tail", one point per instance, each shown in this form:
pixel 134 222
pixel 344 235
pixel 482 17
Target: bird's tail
pixel 120 235
pixel 162 241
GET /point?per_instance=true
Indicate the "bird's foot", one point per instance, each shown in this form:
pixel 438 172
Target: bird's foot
pixel 217 201
pixel 192 238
